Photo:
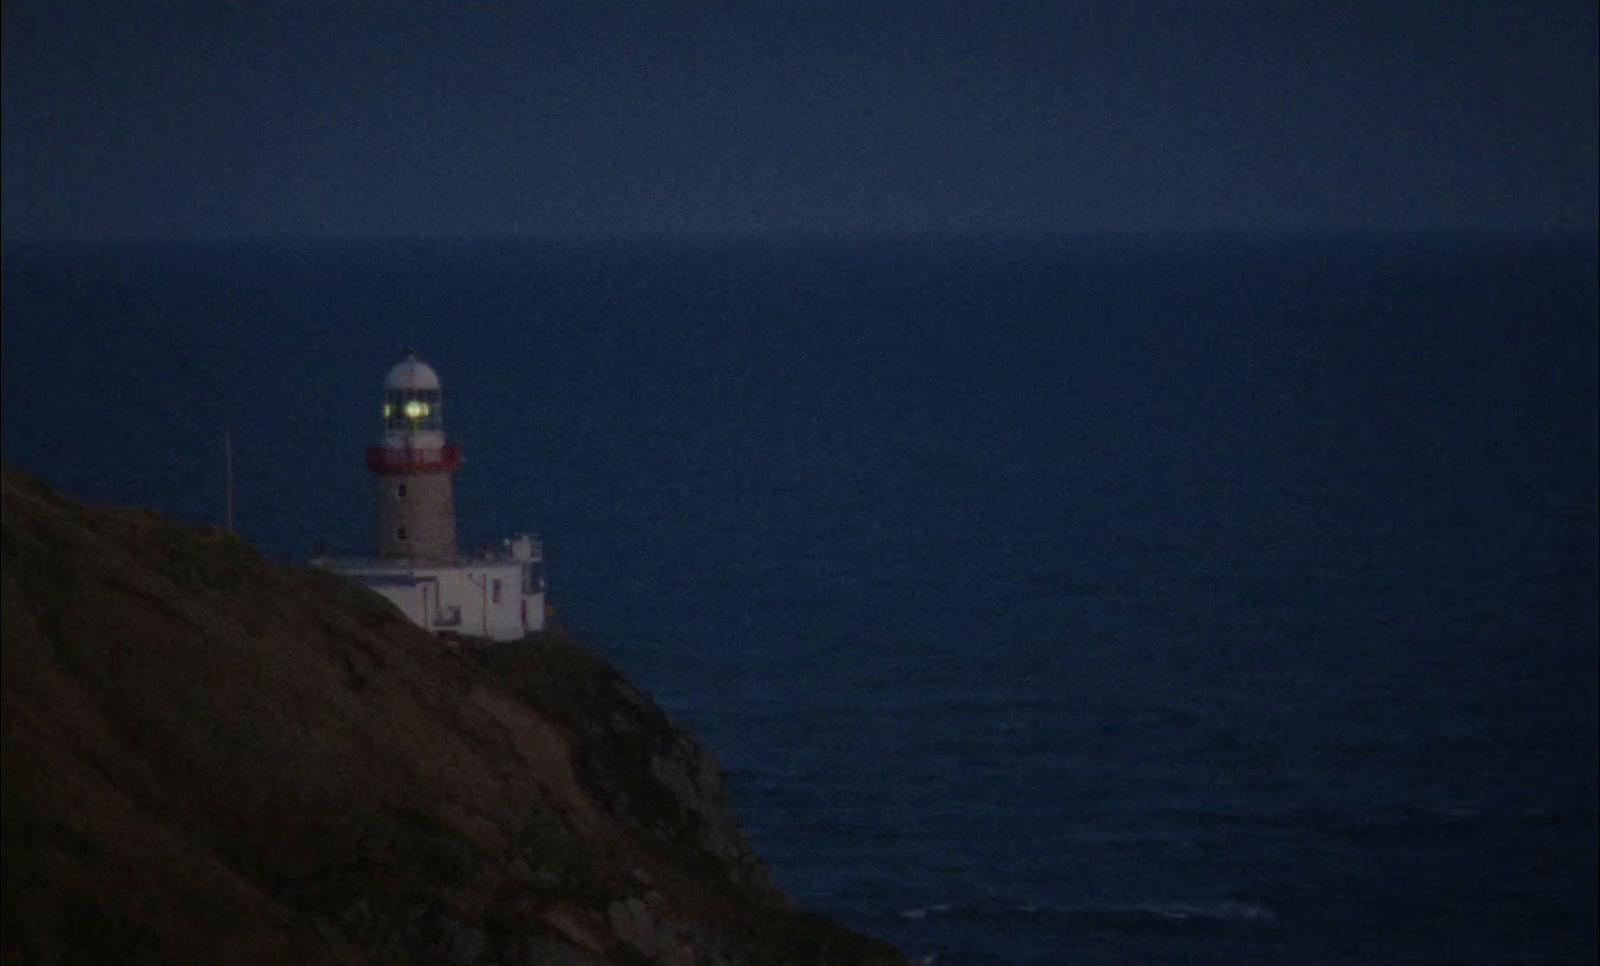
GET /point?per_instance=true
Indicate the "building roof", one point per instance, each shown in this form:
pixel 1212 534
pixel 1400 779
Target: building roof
pixel 412 373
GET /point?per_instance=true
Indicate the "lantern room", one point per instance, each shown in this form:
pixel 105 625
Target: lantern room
pixel 413 410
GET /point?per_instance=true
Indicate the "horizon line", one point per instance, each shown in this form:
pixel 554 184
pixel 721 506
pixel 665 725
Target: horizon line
pixel 805 234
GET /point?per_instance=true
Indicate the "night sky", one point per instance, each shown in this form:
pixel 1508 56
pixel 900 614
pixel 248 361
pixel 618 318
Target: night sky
pixel 379 118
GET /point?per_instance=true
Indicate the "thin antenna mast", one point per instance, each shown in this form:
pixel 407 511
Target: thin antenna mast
pixel 227 460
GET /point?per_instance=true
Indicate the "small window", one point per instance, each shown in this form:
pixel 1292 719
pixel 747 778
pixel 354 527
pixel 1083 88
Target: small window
pixel 400 490
pixel 400 534
pixel 494 591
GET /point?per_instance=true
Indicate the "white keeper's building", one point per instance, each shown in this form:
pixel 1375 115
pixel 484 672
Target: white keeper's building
pixel 495 594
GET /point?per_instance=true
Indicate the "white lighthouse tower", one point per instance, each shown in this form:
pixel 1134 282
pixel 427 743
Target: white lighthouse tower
pixel 496 594
pixel 415 513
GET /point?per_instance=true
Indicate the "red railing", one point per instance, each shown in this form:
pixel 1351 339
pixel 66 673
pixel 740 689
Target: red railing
pixel 381 459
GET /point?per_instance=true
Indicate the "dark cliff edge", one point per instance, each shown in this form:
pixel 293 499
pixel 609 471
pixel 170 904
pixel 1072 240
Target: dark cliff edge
pixel 212 757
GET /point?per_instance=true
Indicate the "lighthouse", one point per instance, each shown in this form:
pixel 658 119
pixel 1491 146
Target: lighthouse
pixel 492 594
pixel 414 507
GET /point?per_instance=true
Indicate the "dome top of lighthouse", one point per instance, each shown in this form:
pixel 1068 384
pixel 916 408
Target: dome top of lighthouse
pixel 412 373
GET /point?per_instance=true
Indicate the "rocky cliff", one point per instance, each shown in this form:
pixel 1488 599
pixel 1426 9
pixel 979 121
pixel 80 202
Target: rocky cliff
pixel 210 757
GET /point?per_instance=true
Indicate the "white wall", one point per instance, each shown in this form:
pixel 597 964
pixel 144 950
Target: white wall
pixel 469 588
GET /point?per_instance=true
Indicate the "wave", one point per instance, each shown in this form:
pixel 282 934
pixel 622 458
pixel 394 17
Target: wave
pixel 1220 911
pixel 1367 824
pixel 1127 917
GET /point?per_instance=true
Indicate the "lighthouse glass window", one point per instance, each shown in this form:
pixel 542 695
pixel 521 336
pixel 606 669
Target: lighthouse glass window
pixel 411 410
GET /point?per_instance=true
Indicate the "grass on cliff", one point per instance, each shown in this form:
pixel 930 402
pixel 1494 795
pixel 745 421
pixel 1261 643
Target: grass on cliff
pixel 274 754
pixel 616 750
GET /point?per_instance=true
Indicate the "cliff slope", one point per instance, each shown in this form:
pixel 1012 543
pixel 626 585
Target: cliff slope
pixel 211 757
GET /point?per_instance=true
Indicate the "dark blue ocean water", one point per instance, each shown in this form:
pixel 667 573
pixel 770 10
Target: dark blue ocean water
pixel 1192 600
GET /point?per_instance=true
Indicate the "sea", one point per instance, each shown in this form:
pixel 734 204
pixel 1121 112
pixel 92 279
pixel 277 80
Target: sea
pixel 1122 599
